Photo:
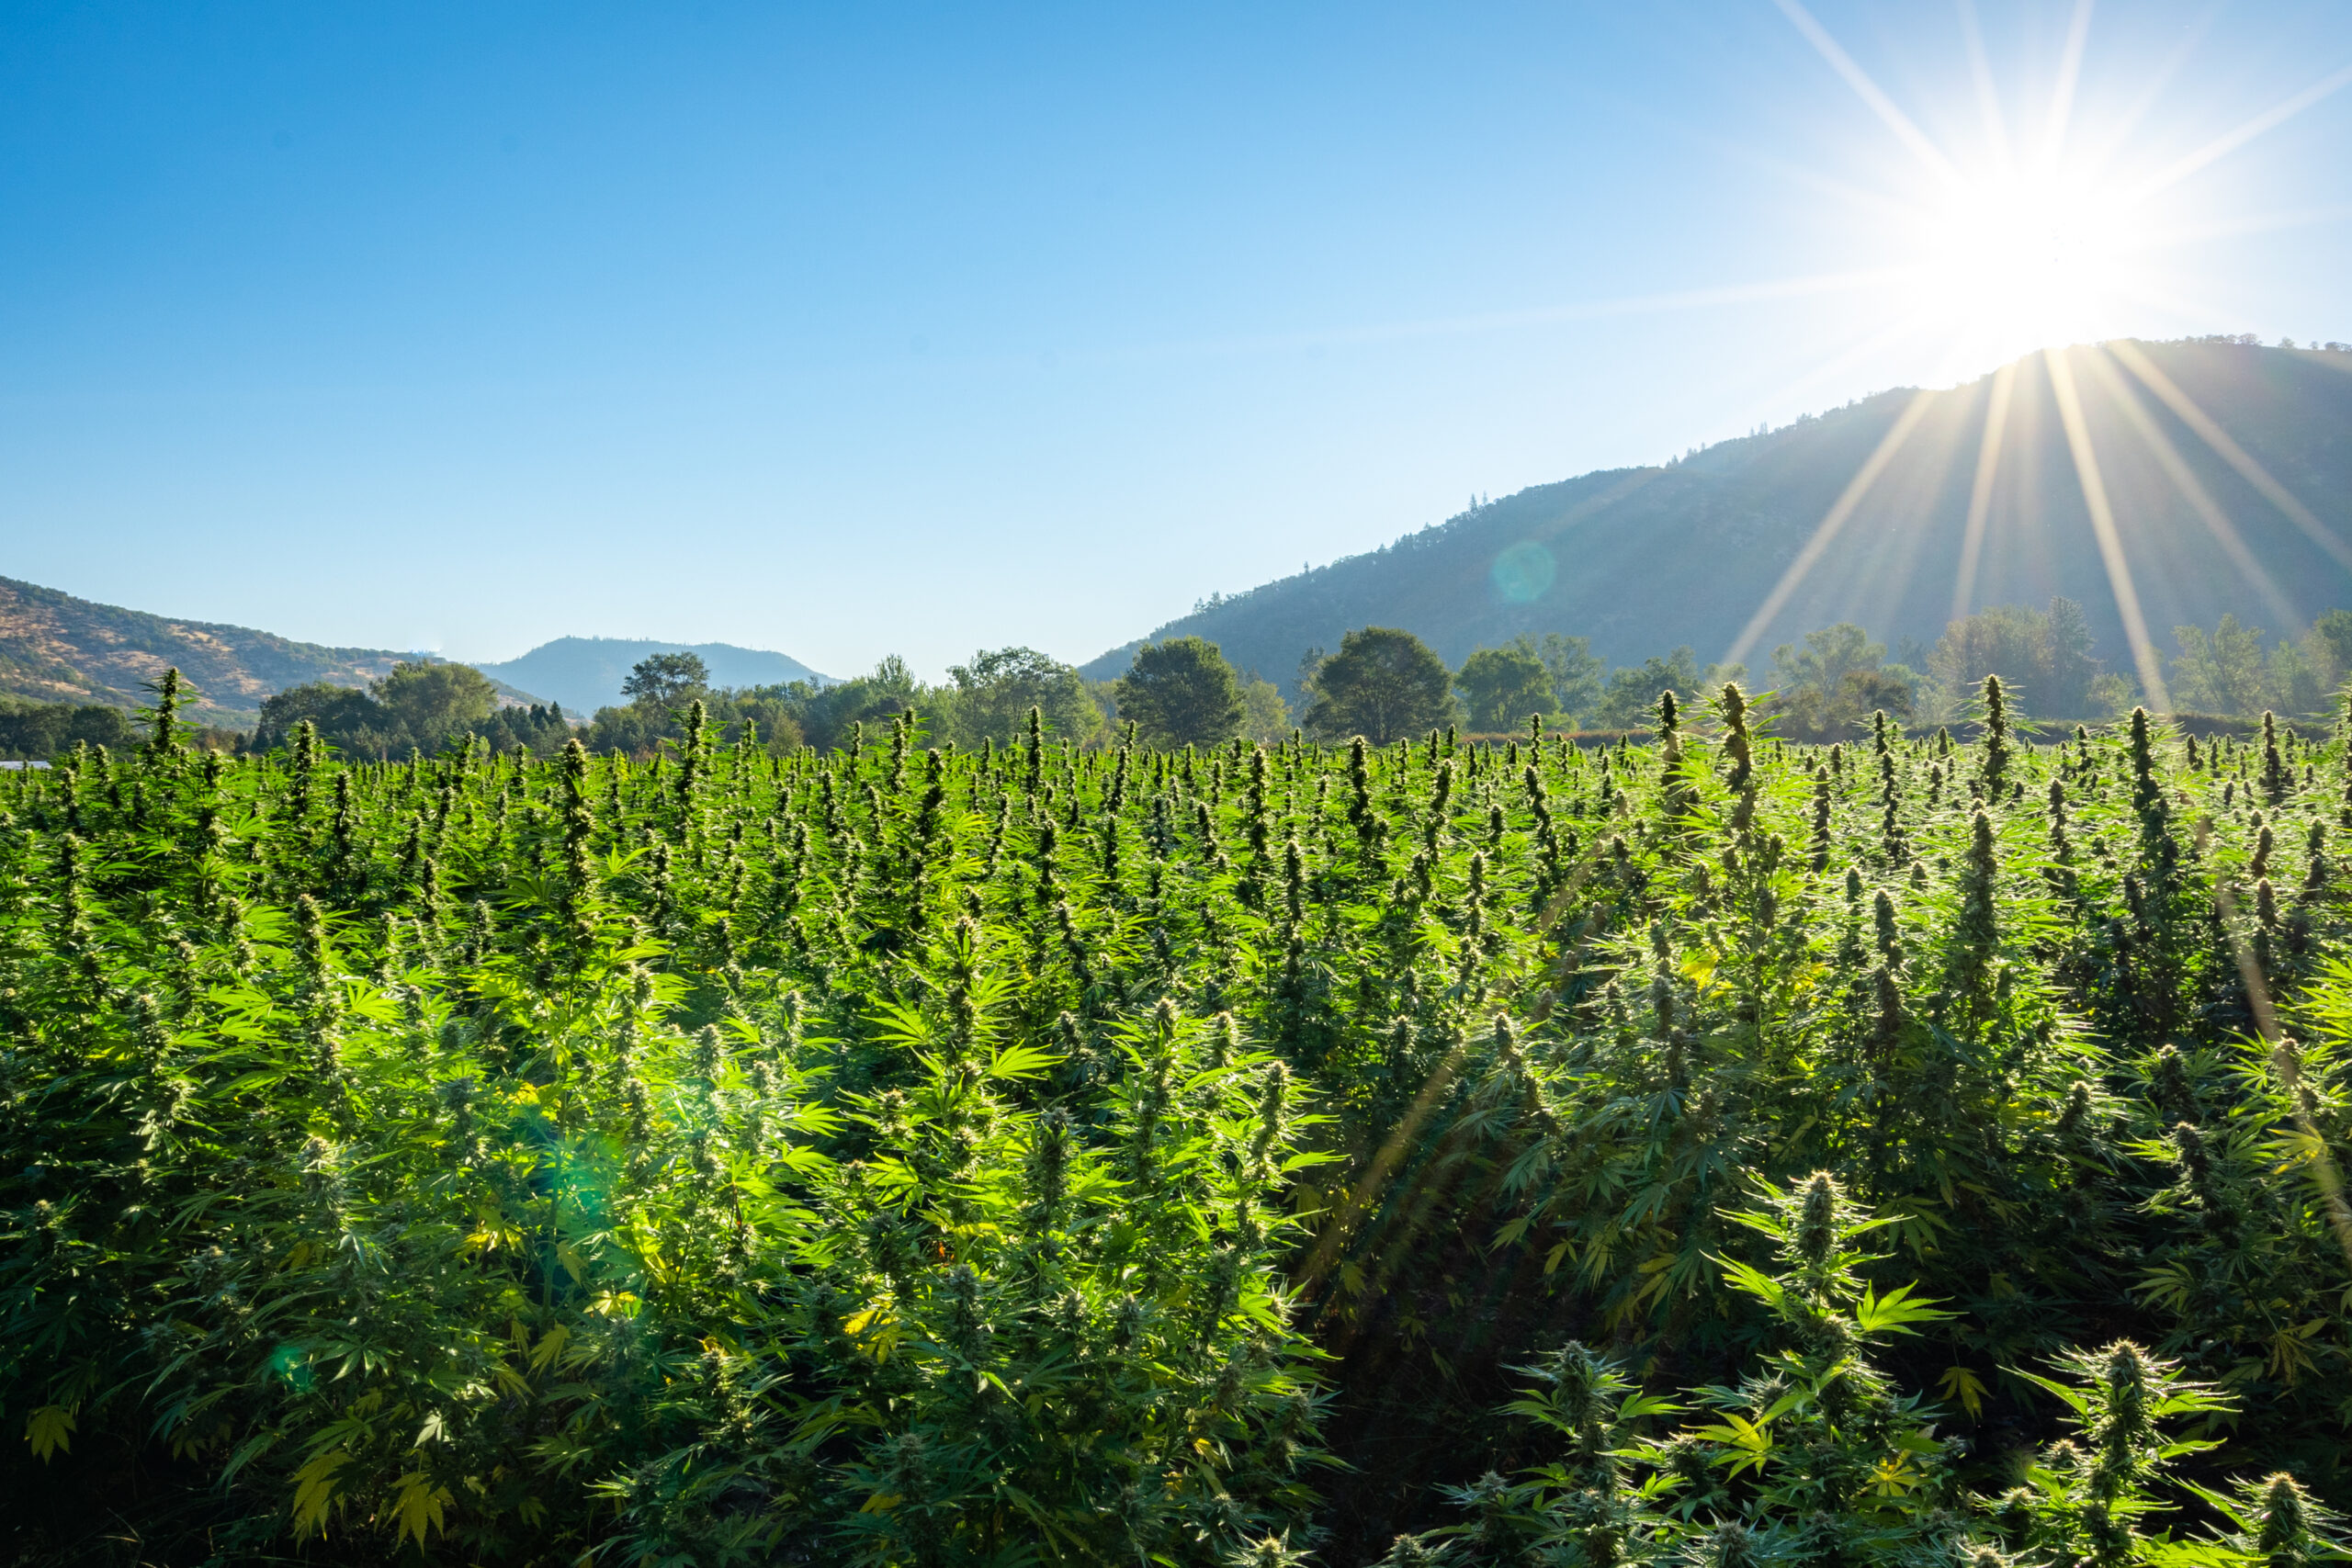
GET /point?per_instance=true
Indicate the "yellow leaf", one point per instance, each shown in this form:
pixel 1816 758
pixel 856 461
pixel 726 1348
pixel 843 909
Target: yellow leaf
pixel 419 1505
pixel 314 1491
pixel 46 1430
pixel 549 1346
pixel 880 1503
pixel 1963 1385
pixel 1893 1477
pixel 493 1235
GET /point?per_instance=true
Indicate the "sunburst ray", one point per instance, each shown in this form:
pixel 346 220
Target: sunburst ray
pixel 1913 140
pixel 2070 75
pixel 2239 135
pixel 1980 489
pixel 2144 658
pixel 1831 523
pixel 2136 360
pixel 1980 72
pixel 2200 501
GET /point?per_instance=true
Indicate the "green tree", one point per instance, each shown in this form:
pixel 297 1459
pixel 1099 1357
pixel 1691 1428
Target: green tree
pixel 664 680
pixel 1630 700
pixel 1821 665
pixel 348 718
pixel 2043 657
pixel 1828 688
pixel 434 701
pixel 994 693
pixel 2295 682
pixel 2009 640
pixel 2111 696
pixel 1574 670
pixel 2068 668
pixel 38 730
pixel 1383 685
pixel 1265 717
pixel 1500 686
pixel 2224 672
pixel 825 713
pixel 2329 646
pixel 1182 692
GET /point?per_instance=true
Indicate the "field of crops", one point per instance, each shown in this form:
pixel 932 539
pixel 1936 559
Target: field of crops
pixel 1711 1152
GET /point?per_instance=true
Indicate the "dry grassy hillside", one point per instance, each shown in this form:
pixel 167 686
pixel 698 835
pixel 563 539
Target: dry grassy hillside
pixel 55 648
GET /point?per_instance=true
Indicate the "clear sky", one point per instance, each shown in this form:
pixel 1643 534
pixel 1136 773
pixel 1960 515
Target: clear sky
pixel 867 328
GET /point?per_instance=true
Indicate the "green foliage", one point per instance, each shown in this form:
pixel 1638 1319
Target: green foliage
pixel 825 715
pixel 663 686
pixel 1383 685
pixel 1812 1457
pixel 1265 717
pixel 1629 701
pixel 1574 670
pixel 1182 692
pixel 426 708
pixel 2094 1498
pixel 665 679
pixel 1826 657
pixel 994 693
pixel 2043 656
pixel 431 701
pixel 2331 645
pixel 1501 687
pixel 2226 671
pixel 914 1154
pixel 41 730
pixel 1827 689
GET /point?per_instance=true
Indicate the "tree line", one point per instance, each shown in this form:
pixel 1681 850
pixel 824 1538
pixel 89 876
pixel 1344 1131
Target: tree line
pixel 1383 682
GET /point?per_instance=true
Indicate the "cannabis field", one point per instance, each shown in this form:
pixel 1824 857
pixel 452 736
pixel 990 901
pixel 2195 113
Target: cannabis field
pixel 1714 1151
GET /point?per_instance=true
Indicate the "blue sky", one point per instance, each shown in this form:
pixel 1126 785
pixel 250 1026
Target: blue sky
pixel 855 329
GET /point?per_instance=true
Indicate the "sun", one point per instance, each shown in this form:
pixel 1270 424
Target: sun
pixel 2043 245
pixel 2012 262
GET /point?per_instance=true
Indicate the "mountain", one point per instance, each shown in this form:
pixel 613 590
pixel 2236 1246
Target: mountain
pixel 584 674
pixel 55 648
pixel 1644 559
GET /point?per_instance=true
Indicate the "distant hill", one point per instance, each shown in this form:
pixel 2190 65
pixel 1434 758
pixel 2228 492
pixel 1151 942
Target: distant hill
pixel 584 674
pixel 1643 559
pixel 55 648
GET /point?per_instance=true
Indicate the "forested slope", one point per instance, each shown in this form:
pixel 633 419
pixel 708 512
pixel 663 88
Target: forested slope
pixel 1642 559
